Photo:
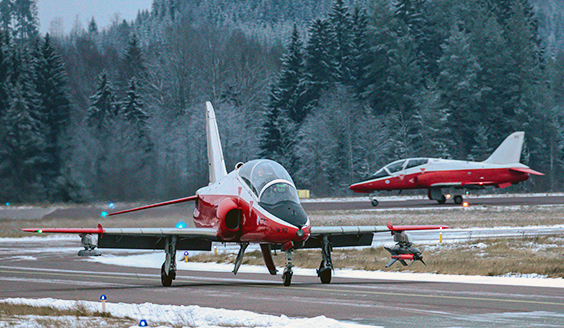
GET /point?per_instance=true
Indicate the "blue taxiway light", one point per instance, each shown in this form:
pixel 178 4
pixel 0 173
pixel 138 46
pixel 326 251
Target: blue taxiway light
pixel 181 225
pixel 104 214
pixel 143 323
pixel 102 297
pixel 111 205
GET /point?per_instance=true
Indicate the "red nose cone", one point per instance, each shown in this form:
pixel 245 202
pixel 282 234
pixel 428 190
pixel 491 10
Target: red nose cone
pixel 359 187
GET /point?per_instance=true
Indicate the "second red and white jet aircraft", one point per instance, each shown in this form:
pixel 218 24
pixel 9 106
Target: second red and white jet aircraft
pixel 502 169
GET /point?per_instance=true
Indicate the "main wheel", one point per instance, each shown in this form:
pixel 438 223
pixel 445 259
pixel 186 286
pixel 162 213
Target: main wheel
pixel 166 280
pixel 325 276
pixel 374 202
pixel 287 277
pixel 441 200
pixel 458 199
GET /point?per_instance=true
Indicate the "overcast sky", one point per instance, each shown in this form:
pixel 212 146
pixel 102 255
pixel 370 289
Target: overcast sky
pixel 103 11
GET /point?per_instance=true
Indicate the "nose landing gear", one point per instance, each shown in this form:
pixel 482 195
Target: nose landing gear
pixel 287 274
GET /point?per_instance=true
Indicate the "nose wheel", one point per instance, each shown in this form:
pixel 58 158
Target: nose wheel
pixel 288 273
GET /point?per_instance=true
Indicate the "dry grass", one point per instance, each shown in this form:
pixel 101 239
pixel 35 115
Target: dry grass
pixel 491 257
pixel 44 316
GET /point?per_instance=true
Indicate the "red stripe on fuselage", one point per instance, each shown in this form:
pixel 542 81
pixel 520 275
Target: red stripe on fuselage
pixel 256 225
pixel 428 179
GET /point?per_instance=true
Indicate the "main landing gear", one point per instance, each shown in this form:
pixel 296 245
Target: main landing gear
pixel 326 266
pixel 168 270
pixel 437 194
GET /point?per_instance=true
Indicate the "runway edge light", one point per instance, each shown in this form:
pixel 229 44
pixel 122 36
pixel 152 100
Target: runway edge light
pixel 103 299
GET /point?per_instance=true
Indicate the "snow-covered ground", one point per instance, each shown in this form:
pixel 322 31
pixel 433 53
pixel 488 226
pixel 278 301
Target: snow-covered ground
pixel 165 316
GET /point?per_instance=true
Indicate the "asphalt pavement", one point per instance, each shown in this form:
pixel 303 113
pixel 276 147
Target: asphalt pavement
pixel 39 268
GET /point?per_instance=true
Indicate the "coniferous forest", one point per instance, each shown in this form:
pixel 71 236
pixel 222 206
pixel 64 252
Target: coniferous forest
pixel 331 89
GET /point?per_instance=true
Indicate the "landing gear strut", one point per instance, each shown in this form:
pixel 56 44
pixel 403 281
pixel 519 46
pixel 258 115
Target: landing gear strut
pixel 287 274
pixel 89 246
pixel 239 259
pixel 326 266
pixel 168 270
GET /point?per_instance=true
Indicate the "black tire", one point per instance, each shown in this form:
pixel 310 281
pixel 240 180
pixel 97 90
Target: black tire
pixel 166 280
pixel 442 200
pixel 325 276
pixel 458 199
pixel 374 202
pixel 287 277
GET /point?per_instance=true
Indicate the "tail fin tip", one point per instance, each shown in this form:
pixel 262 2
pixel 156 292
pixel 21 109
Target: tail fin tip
pixel 509 151
pixel 215 153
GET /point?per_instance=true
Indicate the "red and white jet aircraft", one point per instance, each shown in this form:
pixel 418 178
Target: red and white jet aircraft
pixel 501 169
pixel 255 203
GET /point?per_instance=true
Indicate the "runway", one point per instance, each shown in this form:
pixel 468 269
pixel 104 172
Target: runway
pixel 33 268
pixel 411 202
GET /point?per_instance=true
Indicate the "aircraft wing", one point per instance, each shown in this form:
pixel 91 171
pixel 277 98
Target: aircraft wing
pixel 143 238
pixel 349 236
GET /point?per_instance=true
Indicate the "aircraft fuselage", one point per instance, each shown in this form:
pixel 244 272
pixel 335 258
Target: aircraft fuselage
pixel 231 207
pixel 440 173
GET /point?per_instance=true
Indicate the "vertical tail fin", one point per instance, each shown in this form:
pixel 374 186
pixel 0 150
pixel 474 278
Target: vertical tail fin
pixel 509 151
pixel 215 153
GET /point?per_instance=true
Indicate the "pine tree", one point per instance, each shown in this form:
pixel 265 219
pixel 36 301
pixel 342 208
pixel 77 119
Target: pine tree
pixel 288 93
pixel 132 109
pixel 457 86
pixel 24 19
pixel 340 36
pixel 383 33
pixel 318 61
pixel 132 64
pixel 133 106
pixel 5 56
pixel 23 155
pixel 360 50
pixel 104 105
pixel 92 27
pixel 51 85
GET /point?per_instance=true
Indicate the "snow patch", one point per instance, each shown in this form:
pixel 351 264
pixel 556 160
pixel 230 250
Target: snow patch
pixel 191 315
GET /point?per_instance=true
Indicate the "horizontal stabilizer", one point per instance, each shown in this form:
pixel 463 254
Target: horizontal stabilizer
pixel 525 170
pixel 509 151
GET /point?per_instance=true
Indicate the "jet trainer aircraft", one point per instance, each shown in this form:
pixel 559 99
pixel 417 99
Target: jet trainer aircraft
pixel 501 169
pixel 255 203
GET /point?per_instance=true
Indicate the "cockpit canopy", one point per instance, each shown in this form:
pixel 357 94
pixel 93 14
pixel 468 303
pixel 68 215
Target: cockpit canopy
pixel 269 181
pixel 402 164
pixel 276 191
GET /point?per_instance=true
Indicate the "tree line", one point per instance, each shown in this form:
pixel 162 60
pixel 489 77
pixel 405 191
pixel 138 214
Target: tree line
pixel 332 91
